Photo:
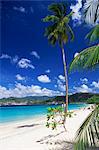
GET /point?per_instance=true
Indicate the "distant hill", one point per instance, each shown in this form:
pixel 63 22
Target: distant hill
pixel 77 97
pixel 34 100
pixel 81 97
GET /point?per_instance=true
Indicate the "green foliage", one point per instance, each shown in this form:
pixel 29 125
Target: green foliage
pixel 51 18
pixel 59 29
pixel 58 9
pixel 88 133
pixel 93 35
pixel 55 117
pixel 86 59
pixel 93 100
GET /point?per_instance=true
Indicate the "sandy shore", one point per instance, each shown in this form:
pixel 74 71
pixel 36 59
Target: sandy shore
pixel 32 134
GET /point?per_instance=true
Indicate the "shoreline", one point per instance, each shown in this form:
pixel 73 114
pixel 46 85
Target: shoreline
pixel 41 104
pixel 32 133
pixel 34 118
pixel 37 115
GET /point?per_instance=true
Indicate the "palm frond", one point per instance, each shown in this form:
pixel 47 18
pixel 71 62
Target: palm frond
pixel 50 29
pixel 71 33
pixel 86 59
pixel 70 14
pixel 88 133
pixel 93 35
pixel 93 58
pixel 53 37
pixel 51 18
pixel 56 9
pixel 91 11
pixel 63 6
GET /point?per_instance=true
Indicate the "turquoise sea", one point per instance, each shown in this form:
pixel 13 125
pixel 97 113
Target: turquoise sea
pixel 15 113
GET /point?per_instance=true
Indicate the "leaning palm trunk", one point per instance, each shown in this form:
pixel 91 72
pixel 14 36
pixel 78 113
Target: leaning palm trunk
pixel 66 81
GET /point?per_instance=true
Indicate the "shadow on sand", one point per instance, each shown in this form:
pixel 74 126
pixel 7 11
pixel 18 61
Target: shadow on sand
pixel 28 126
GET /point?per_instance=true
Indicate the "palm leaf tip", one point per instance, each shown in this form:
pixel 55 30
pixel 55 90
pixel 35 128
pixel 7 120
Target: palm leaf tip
pixel 70 14
pixel 93 35
pixel 56 8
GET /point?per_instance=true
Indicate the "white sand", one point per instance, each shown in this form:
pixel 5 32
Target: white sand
pixel 33 135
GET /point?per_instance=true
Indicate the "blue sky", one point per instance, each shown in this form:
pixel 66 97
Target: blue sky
pixel 29 65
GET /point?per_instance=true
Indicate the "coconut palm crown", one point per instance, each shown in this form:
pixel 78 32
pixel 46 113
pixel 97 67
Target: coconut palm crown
pixel 59 29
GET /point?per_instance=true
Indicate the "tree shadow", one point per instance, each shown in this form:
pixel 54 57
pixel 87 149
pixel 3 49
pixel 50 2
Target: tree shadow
pixel 62 145
pixel 48 137
pixel 27 126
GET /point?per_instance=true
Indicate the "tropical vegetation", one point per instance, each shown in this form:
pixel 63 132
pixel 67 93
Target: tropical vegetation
pixel 55 117
pixel 91 11
pixel 88 133
pixel 93 100
pixel 59 31
pixel 45 100
pixel 89 57
pixel 86 59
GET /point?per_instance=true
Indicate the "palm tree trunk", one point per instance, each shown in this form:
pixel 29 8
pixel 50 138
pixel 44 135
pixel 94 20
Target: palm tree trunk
pixel 66 81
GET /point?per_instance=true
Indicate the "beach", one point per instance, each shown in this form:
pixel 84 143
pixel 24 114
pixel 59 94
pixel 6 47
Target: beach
pixel 32 134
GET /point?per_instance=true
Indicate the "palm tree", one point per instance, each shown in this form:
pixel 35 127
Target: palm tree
pixel 91 11
pixel 89 57
pixel 88 133
pixel 59 32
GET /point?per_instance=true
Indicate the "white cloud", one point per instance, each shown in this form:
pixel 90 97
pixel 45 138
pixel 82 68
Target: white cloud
pixel 83 89
pixel 95 84
pixel 61 77
pixel 12 59
pixel 23 91
pixel 43 78
pixel 25 63
pixel 15 59
pixel 76 54
pixel 20 9
pixel 5 56
pixel 19 77
pixel 84 80
pixel 61 85
pixel 35 54
pixel 76 9
pixel 48 71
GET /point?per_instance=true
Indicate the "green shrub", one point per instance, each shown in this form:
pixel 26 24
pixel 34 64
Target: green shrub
pixel 93 100
pixel 55 117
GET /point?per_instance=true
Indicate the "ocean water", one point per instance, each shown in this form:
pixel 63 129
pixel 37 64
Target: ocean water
pixel 15 113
